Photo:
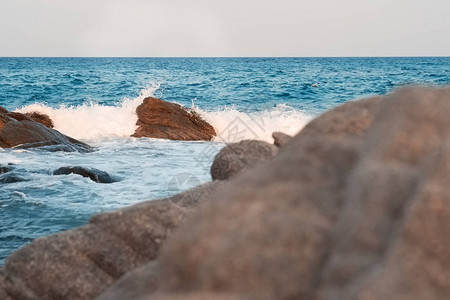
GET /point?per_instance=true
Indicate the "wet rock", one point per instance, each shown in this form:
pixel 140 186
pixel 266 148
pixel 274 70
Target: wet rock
pixel 40 118
pixel 280 138
pixel 238 157
pixel 19 116
pixel 11 178
pixel 83 262
pixel 165 120
pixel 4 169
pixel 20 131
pixel 55 146
pixel 91 173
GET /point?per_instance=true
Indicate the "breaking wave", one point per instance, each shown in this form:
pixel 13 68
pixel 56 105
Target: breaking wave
pixel 93 121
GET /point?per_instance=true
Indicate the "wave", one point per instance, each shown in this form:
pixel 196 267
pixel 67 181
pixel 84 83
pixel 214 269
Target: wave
pixel 92 121
pixel 232 125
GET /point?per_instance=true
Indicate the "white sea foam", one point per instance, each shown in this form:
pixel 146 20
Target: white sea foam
pixel 93 121
pixel 232 125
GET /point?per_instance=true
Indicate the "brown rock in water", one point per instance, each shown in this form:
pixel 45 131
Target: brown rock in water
pixel 41 118
pixel 280 139
pixel 238 157
pixel 83 262
pixel 165 120
pixel 20 131
pixel 351 208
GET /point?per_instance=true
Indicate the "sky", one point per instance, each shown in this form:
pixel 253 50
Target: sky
pixel 152 28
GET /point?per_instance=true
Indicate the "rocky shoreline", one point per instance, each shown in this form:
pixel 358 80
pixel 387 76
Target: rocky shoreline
pixel 156 119
pixel 355 206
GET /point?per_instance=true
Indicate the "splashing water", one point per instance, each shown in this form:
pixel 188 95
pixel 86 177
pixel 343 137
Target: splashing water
pixel 91 121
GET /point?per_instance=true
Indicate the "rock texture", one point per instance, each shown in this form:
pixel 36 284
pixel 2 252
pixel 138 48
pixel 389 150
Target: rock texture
pixel 356 206
pixel 195 296
pixel 41 118
pixel 91 173
pixel 21 131
pixel 238 157
pixel 396 215
pixel 280 139
pixel 138 283
pixel 165 120
pixel 83 262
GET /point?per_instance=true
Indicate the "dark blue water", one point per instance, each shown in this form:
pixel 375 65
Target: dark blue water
pixel 93 99
pixel 246 83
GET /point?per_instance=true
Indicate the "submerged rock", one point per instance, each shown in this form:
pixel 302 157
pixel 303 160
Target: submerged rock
pixel 238 157
pixel 40 118
pixel 4 169
pixel 20 131
pixel 91 173
pixel 165 120
pixel 11 177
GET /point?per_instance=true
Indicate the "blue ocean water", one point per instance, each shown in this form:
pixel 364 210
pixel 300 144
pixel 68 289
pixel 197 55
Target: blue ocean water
pixel 93 99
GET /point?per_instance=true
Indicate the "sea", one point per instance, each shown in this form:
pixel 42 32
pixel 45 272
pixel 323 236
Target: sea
pixel 94 100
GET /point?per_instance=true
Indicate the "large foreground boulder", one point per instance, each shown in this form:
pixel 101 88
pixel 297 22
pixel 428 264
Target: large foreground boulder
pixel 21 131
pixel 258 227
pixel 165 120
pixel 135 284
pixel 356 206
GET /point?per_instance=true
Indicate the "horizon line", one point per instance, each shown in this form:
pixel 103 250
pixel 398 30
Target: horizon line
pixel 357 56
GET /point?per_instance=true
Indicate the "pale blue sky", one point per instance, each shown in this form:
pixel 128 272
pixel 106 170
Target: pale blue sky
pixel 225 28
